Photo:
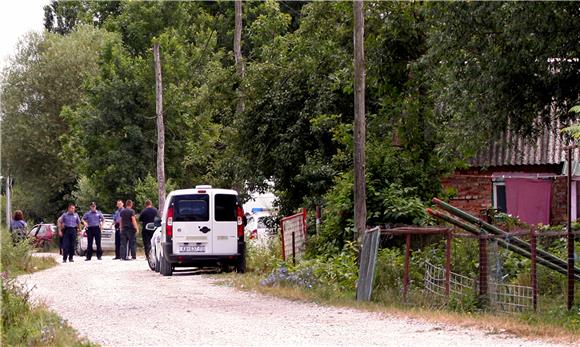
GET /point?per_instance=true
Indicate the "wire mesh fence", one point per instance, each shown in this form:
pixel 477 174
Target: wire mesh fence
pixel 502 297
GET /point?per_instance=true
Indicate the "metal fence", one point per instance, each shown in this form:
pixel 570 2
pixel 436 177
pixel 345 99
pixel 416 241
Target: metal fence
pixel 502 297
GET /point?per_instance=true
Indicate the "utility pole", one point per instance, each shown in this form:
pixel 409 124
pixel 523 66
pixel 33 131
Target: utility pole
pixel 360 207
pixel 238 55
pixel 160 127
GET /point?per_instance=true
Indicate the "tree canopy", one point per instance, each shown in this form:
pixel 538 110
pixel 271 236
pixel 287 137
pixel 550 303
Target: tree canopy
pixel 78 101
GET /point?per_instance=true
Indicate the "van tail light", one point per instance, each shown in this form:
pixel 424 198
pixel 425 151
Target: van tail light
pixel 240 213
pixel 169 223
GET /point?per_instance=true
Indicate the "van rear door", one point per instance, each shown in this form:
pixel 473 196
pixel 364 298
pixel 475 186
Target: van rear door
pixel 192 226
pixel 225 223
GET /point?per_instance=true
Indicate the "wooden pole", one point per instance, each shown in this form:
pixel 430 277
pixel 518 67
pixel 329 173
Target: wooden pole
pixel 533 270
pixel 483 300
pixel 360 208
pixel 240 70
pixel 160 127
pixel 447 263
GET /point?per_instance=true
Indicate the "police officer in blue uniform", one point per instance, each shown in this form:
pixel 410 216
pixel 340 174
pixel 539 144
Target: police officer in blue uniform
pixel 70 226
pixel 93 220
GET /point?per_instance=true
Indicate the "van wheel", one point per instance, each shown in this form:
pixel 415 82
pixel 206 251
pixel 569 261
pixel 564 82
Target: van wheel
pixel 241 264
pixel 151 260
pixel 164 267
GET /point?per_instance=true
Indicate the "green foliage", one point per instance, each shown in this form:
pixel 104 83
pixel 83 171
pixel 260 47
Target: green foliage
pixel 45 76
pixel 24 323
pixel 263 260
pixel 335 273
pixel 493 65
pixel 147 188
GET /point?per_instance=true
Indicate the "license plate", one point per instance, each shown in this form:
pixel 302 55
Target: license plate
pixel 192 249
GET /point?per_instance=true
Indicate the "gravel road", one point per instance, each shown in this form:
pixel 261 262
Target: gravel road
pixel 125 304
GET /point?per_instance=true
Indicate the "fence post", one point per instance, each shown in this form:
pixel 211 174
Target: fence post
pixel 533 269
pixel 483 299
pixel 293 248
pixel 407 261
pixel 447 263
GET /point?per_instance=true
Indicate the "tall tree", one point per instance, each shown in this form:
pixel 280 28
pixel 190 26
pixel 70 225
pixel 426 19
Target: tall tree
pixel 43 79
pixel 160 127
pixel 360 207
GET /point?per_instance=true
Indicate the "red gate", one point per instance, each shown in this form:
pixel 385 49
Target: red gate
pixel 294 233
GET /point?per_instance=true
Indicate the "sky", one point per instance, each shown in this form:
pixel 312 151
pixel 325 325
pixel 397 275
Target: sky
pixel 17 17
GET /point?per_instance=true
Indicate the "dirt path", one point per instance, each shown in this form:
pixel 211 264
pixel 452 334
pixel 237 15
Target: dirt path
pixel 125 304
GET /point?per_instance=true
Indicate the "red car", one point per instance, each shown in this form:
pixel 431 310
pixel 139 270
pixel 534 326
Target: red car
pixel 42 234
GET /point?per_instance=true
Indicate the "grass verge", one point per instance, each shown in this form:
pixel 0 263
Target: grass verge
pixel 25 323
pixel 534 326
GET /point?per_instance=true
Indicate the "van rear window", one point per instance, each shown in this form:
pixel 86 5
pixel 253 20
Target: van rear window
pixel 225 208
pixel 191 208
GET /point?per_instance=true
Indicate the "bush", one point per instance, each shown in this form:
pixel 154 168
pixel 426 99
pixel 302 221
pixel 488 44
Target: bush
pixel 264 259
pixel 336 273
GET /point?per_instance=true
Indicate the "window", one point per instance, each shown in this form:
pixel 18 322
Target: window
pixel 499 198
pixel 225 208
pixel 191 208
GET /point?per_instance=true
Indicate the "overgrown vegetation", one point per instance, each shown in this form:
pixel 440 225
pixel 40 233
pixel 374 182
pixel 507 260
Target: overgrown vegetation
pixel 332 279
pixel 25 323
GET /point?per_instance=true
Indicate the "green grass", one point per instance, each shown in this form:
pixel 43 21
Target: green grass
pixel 552 323
pixel 25 323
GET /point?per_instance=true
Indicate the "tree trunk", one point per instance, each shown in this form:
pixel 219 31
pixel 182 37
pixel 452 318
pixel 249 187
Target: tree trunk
pixel 160 128
pixel 360 207
pixel 238 55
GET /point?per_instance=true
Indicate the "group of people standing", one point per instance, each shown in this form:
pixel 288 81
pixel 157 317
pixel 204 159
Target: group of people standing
pixel 126 230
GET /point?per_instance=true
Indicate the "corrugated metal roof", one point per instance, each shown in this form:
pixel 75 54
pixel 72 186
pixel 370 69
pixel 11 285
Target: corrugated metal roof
pixel 512 149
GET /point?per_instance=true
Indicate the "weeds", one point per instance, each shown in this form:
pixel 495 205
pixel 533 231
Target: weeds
pixel 25 323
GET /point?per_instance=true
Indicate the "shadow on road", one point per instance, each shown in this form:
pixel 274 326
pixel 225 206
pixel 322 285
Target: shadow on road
pixel 196 271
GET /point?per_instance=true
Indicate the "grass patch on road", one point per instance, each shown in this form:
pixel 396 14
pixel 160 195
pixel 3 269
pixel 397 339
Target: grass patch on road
pixel 541 325
pixel 25 323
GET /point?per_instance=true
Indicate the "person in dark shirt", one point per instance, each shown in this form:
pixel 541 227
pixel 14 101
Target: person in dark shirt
pixel 129 229
pixel 147 216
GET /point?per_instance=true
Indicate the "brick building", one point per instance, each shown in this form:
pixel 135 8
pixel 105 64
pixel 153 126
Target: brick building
pixel 519 177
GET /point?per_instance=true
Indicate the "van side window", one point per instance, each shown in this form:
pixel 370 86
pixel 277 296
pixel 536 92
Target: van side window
pixel 225 208
pixel 191 208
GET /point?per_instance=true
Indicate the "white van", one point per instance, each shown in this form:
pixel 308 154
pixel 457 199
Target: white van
pixel 199 227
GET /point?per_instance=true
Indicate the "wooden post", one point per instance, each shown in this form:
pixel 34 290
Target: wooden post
pixel 360 208
pixel 293 248
pixel 238 55
pixel 407 266
pixel 160 127
pixel 447 264
pixel 533 270
pixel 570 296
pixel 483 300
